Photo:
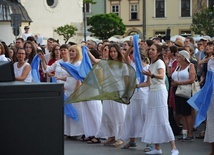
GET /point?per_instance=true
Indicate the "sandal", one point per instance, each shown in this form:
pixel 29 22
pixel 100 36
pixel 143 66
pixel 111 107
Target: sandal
pixel 84 139
pixel 109 142
pixel 148 148
pixel 201 135
pixel 129 144
pixel 94 141
pixel 118 143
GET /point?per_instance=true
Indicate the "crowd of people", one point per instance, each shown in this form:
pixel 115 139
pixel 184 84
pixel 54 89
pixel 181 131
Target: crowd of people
pixel 165 67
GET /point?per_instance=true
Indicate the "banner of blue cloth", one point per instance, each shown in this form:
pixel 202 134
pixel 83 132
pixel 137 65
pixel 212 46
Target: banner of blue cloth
pixel 69 109
pixel 81 71
pixel 137 59
pixel 202 100
pixel 35 68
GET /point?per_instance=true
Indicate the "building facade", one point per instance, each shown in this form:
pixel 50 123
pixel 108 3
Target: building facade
pixel 159 15
pixel 46 15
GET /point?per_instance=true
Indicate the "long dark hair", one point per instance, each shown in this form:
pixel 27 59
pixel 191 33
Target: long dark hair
pixel 33 52
pixel 117 47
pixel 159 51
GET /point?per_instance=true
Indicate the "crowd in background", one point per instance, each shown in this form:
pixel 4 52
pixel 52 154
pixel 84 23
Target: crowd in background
pixel 165 65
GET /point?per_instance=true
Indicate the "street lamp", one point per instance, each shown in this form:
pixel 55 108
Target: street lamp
pixel 144 19
pixel 84 20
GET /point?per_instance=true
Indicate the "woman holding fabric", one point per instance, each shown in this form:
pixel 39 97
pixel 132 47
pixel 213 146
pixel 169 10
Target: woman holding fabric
pixel 209 133
pixel 113 115
pixel 184 75
pixel 156 129
pixel 135 114
pixel 71 127
pixel 70 84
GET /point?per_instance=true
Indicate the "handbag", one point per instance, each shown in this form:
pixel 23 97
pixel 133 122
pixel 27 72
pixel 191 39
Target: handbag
pixel 184 90
pixel 195 87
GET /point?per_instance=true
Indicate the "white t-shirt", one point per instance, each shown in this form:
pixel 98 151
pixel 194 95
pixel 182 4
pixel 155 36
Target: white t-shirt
pixel 25 35
pixel 157 84
pixel 3 58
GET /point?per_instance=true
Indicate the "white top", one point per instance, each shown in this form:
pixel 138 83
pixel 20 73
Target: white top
pixel 59 71
pixel 18 71
pixel 25 35
pixel 70 83
pixel 181 75
pixel 3 58
pixel 210 65
pixel 157 84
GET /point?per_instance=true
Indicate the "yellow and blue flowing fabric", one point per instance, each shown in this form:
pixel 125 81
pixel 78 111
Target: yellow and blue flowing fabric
pixel 108 80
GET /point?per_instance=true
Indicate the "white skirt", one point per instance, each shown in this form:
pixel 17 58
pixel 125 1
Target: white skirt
pixel 72 127
pixel 91 116
pixel 209 133
pixel 135 117
pixel 112 119
pixel 157 129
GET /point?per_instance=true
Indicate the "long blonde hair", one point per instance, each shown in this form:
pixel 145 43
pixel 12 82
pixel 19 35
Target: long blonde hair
pixel 78 49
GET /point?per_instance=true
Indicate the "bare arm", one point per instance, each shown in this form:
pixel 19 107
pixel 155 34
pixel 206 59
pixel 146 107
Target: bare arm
pixel 43 62
pixel 191 79
pixel 144 84
pixel 160 74
pixel 93 59
pixel 127 53
pixel 25 73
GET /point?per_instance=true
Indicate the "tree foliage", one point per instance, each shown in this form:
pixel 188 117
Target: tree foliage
pixel 89 1
pixel 104 26
pixel 67 31
pixel 203 22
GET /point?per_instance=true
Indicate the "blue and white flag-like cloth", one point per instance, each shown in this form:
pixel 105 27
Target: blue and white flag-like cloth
pixel 202 100
pixel 35 68
pixel 81 71
pixel 137 59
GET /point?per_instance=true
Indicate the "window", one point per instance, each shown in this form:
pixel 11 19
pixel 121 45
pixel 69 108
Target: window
pixel 185 8
pixel 159 8
pixel 134 11
pixel 115 9
pixel 210 3
pixel 88 7
pixel 51 3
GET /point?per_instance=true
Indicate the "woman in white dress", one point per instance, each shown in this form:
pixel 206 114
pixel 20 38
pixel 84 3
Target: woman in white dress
pixel 2 53
pixel 70 84
pixel 60 73
pixel 113 112
pixel 156 129
pixel 22 69
pixel 209 133
pixel 72 127
pixel 135 114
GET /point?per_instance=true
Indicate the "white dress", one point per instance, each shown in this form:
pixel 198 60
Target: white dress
pixel 18 71
pixel 157 128
pixel 136 111
pixel 72 127
pixel 113 115
pixel 209 133
pixel 91 116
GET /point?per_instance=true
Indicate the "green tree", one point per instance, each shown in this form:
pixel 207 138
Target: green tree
pixel 203 22
pixel 104 26
pixel 67 31
pixel 89 1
